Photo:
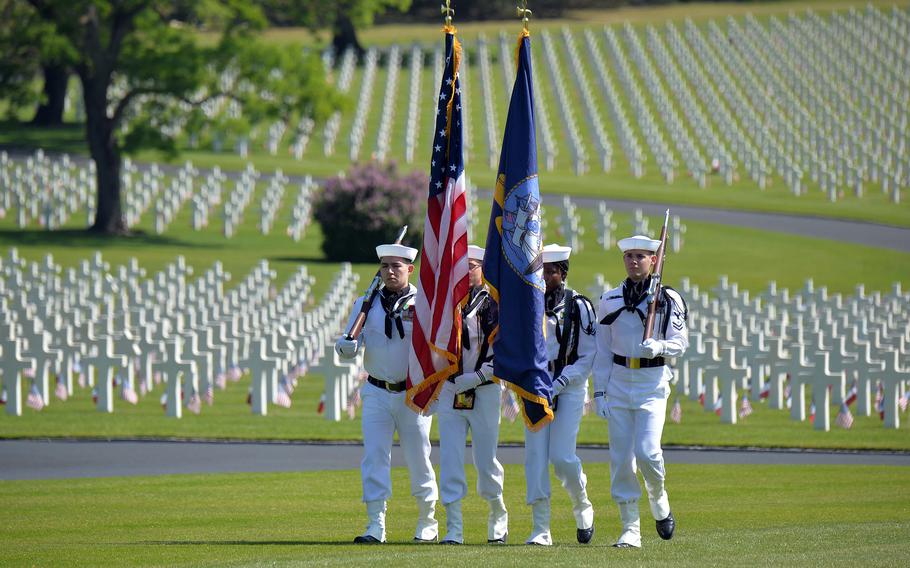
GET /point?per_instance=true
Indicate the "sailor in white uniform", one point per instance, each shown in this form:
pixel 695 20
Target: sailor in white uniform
pixel 632 383
pixel 570 349
pixel 471 401
pixel 386 339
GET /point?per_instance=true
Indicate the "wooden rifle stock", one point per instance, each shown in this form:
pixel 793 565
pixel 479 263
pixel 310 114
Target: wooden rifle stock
pixel 369 296
pixel 654 290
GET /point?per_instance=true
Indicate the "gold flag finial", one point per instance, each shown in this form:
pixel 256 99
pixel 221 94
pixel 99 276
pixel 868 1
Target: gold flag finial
pixel 524 13
pixel 448 11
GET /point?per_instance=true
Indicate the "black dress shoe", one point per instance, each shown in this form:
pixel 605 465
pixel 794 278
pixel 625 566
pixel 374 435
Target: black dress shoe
pixel 426 540
pixel 498 540
pixel 584 536
pixel 623 545
pixel 666 527
pixel 366 539
pixel 447 541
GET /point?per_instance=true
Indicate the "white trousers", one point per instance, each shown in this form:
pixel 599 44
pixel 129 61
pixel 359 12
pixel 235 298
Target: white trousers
pixel 483 421
pixel 555 443
pixel 383 413
pixel 636 418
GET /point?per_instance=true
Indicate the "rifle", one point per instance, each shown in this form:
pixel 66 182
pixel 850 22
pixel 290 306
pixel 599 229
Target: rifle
pixel 369 296
pixel 655 288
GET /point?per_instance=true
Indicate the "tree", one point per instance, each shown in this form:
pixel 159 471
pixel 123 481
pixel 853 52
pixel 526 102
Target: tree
pixel 31 47
pixel 146 71
pixel 343 17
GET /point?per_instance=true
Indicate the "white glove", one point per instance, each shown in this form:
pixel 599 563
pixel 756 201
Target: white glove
pixel 559 383
pixel 347 348
pixel 600 403
pixel 467 381
pixel 651 348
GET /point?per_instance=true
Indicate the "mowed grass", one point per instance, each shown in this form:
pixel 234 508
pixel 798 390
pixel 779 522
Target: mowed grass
pixel 753 515
pixel 230 418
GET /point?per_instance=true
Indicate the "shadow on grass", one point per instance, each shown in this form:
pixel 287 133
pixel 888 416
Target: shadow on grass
pixel 69 137
pixel 77 238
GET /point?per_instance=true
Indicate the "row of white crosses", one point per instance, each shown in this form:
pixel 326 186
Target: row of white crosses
pixel 486 93
pixel 333 124
pixel 696 120
pixel 666 162
pixel 590 102
pixel 44 190
pixel 149 188
pixel 695 68
pixel 577 147
pixel 843 155
pixel 691 157
pixel 341 377
pixel 605 227
pixel 190 333
pixel 270 203
pixel 384 135
pixel 412 128
pixel 829 343
pixel 364 103
pixel 570 227
pixel 302 211
pixel 238 199
pixel 627 137
pixel 305 125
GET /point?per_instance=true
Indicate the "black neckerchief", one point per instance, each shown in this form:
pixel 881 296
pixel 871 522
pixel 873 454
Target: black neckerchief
pixel 475 298
pixel 554 303
pixel 633 293
pixel 392 303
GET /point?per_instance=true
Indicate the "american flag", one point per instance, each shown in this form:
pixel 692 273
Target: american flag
pixel 904 400
pixel 35 400
pixel 510 408
pixel 745 408
pixel 194 405
pixel 880 400
pixel 209 395
pixel 60 391
pixel 128 393
pixel 844 417
pixel 443 283
pixel 3 396
pixel 282 397
pixel 812 412
pixel 320 408
pixel 676 412
pixel 765 391
pixel 851 395
pixel 719 405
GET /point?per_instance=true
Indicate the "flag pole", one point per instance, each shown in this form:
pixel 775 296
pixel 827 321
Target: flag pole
pixel 523 13
pixel 448 11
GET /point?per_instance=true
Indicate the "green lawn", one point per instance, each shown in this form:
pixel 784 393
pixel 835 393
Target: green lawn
pixel 230 418
pixel 757 515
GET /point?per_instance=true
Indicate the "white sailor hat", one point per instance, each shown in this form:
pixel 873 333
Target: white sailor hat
pixel 475 252
pixel 396 250
pixel 638 242
pixel 556 253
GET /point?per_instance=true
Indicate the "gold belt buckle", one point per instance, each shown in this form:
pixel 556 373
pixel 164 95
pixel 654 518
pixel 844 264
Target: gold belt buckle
pixel 634 363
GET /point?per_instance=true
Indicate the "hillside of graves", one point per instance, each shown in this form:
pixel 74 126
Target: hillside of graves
pixel 716 109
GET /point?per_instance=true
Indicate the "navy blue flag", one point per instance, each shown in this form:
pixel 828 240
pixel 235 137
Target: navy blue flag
pixel 513 265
